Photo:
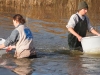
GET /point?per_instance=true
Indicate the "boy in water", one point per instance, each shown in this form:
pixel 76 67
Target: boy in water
pixel 78 25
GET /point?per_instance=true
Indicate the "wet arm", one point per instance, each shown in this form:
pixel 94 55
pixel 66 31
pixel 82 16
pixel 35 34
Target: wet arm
pixel 95 32
pixel 74 33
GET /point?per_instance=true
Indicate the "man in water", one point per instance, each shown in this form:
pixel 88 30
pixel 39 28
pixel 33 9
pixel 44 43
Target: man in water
pixel 78 25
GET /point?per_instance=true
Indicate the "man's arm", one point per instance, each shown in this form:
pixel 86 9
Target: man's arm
pixel 74 33
pixel 95 32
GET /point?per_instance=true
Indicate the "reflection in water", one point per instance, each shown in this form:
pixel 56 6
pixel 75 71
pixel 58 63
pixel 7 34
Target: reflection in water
pixel 84 65
pixel 67 65
pixel 19 66
pixel 54 64
pixel 23 66
pixel 75 66
pixel 91 64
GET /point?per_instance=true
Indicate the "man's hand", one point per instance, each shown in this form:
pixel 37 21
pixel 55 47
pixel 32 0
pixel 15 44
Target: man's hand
pixel 75 34
pixel 79 38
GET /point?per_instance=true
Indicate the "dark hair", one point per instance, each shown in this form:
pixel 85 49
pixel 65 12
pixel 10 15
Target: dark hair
pixel 19 18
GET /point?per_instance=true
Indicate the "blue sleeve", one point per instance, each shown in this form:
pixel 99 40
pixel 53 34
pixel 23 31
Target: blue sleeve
pixel 12 39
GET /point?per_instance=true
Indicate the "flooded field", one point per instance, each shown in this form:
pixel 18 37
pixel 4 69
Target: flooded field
pixel 47 20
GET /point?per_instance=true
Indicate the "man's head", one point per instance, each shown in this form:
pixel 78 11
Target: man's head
pixel 82 8
pixel 82 5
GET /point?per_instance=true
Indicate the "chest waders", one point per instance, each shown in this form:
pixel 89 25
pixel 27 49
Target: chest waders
pixel 80 28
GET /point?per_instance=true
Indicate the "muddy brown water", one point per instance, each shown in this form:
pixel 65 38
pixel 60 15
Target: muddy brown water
pixel 48 24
